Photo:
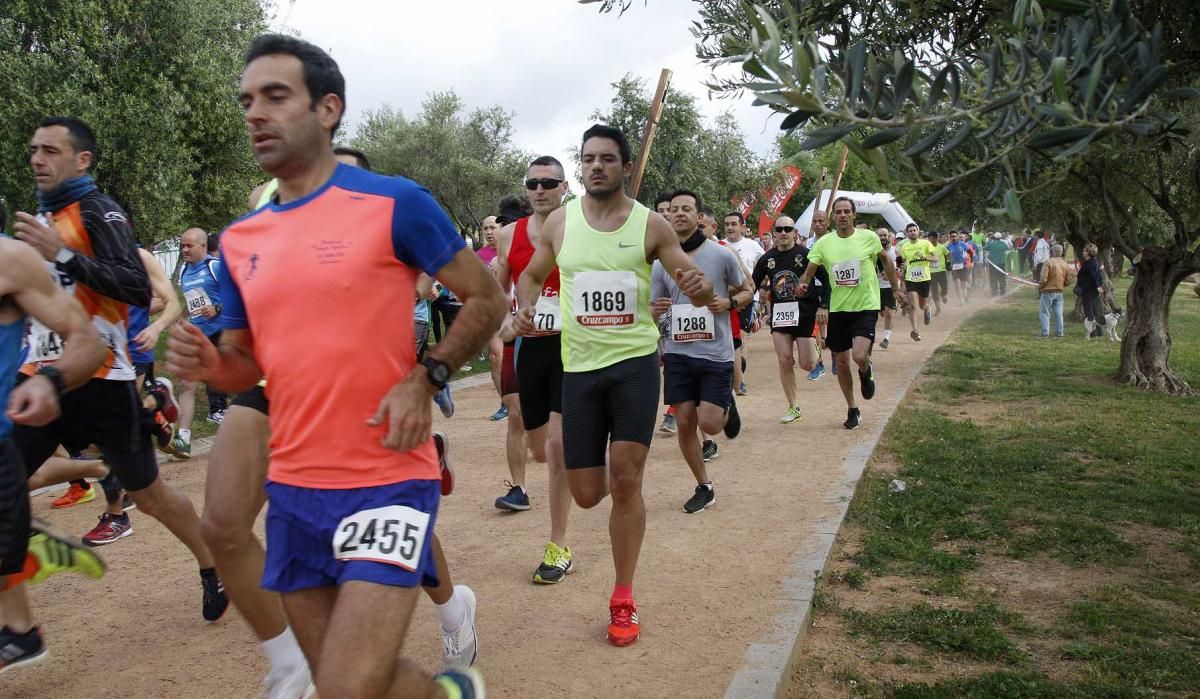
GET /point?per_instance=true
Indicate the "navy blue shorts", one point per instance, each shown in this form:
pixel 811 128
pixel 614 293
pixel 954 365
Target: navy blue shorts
pixel 692 380
pixel 321 538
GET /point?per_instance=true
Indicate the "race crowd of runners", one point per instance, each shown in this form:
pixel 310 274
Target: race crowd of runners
pixel 595 312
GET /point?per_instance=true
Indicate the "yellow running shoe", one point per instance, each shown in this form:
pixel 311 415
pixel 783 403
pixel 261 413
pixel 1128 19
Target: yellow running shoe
pixel 556 565
pixel 75 495
pixel 56 553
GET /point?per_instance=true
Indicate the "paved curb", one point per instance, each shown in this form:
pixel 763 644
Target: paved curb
pixel 765 672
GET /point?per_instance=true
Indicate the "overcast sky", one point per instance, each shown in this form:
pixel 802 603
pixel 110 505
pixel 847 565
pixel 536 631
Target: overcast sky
pixel 550 62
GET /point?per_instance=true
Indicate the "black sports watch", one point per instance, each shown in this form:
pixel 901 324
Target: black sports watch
pixel 55 376
pixel 437 371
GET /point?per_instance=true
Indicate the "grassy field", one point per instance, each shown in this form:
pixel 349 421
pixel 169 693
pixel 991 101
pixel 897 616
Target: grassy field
pixel 1048 541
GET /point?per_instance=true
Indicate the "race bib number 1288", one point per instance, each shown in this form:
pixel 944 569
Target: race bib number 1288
pixel 393 535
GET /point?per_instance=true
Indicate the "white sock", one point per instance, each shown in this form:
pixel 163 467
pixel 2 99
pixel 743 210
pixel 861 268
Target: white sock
pixel 453 613
pixel 887 334
pixel 283 651
pixel 185 435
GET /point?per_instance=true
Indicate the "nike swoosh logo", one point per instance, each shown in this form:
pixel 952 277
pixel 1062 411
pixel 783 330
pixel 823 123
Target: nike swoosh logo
pixel 624 245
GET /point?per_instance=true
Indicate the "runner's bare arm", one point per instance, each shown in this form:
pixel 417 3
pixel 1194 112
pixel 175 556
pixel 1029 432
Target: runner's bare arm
pixel 165 299
pixel 230 367
pixel 483 308
pixel 255 195
pixel 502 269
pixel 23 279
pixel 425 287
pixel 663 245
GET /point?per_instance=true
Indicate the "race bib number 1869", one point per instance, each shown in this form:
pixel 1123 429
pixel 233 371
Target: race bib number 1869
pixel 606 299
pixel 393 535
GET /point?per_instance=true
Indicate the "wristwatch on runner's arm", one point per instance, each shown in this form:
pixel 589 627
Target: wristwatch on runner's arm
pixel 437 371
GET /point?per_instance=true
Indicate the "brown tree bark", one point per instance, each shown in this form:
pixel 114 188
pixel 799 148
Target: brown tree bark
pixel 1146 347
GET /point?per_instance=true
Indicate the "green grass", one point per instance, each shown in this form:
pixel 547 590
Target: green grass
pixel 1025 448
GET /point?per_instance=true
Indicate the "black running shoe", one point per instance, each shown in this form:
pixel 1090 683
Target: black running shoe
pixel 702 498
pixel 916 336
pixel 867 381
pixel 733 424
pixel 883 344
pixel 852 419
pixel 708 450
pixel 17 649
pixel 215 599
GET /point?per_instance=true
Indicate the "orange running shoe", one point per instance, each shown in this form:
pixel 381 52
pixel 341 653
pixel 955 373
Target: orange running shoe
pixel 623 627
pixel 75 495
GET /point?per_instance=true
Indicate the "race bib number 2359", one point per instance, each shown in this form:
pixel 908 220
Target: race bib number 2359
pixel 394 534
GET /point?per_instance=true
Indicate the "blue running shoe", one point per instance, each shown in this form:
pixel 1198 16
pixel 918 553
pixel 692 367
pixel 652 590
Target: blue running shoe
pixel 818 371
pixel 444 401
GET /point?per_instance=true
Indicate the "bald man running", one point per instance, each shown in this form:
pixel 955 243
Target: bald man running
pixel 202 299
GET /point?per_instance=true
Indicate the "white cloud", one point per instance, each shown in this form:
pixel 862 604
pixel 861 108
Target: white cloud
pixel 550 62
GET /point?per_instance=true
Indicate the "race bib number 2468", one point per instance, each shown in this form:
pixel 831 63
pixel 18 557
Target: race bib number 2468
pixel 394 534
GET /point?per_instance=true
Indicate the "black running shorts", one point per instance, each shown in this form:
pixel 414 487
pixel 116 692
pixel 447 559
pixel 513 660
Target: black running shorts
pixel 14 510
pixel 618 403
pixel 101 412
pixel 922 288
pixel 961 275
pixel 887 298
pixel 844 326
pixel 691 380
pixel 255 399
pixel 540 379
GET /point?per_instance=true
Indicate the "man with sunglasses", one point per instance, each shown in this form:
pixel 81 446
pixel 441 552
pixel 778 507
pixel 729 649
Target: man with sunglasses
pixel 849 259
pixel 604 244
pixel 793 312
pixel 539 365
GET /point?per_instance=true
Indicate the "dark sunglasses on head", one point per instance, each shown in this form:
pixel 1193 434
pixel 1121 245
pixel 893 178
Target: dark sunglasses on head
pixel 546 182
pixel 784 229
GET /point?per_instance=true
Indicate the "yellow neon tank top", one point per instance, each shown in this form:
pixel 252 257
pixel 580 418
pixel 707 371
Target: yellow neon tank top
pixel 605 292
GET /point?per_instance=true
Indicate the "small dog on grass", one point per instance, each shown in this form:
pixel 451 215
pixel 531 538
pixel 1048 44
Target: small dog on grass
pixel 1110 325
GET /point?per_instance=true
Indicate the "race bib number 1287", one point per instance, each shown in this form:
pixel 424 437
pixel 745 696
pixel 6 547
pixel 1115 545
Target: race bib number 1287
pixel 393 535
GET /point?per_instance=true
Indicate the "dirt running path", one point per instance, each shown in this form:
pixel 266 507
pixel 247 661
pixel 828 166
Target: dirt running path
pixel 707 585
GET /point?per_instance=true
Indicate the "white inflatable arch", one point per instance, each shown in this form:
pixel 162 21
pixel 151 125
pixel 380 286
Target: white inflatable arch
pixel 880 203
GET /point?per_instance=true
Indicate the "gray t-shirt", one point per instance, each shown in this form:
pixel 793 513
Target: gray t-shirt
pixel 721 267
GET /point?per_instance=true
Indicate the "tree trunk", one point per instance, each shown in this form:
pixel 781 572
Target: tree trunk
pixel 1146 348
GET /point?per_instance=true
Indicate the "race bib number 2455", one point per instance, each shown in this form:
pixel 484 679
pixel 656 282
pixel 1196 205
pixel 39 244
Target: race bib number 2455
pixel 394 534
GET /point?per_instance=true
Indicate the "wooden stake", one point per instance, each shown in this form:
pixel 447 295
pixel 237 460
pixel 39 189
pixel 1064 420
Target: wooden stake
pixel 837 181
pixel 656 110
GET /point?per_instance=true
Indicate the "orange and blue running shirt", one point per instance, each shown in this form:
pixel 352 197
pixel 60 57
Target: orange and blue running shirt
pixel 325 284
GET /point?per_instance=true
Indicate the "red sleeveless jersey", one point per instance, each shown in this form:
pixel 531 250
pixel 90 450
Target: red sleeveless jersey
pixel 519 254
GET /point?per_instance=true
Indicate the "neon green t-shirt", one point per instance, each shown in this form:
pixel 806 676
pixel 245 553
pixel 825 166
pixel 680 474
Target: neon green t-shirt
pixel 916 255
pixel 941 257
pixel 850 263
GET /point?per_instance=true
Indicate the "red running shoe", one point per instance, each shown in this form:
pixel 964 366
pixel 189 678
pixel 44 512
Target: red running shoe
pixel 443 452
pixel 623 627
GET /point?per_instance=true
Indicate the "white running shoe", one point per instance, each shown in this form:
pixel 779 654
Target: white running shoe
pixel 296 684
pixel 461 646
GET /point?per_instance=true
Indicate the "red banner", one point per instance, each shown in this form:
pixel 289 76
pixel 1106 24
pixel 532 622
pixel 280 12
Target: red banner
pixel 771 200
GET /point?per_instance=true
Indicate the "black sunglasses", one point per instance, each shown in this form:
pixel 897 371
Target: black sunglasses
pixel 546 182
pixel 784 229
